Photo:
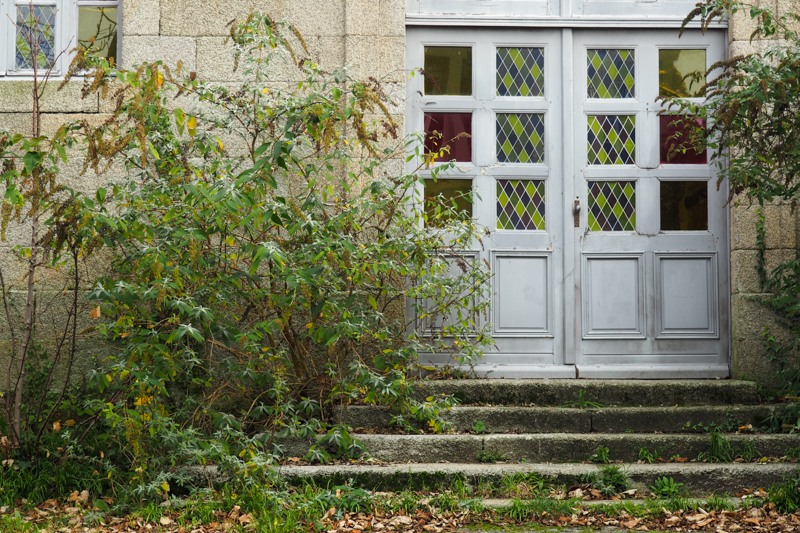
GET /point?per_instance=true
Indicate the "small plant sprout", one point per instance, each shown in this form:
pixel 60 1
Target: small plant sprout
pixel 667 488
pixel 600 456
pixel 583 403
pixel 479 427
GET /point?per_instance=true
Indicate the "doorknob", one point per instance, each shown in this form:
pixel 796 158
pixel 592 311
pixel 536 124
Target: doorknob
pixel 576 210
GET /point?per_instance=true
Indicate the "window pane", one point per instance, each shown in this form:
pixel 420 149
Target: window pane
pixel 520 204
pixel 98 30
pixel 612 205
pixel 520 72
pixel 448 70
pixel 520 138
pixel 612 140
pixel 681 72
pixel 36 36
pixel 441 130
pixel 678 157
pixel 610 73
pixel 446 192
pixel 684 205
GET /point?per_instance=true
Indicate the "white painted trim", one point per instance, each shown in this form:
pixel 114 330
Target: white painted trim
pixel 414 19
pixel 645 371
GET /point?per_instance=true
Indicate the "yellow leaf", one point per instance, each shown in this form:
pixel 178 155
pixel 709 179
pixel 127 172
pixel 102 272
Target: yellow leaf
pixel 159 80
pixel 266 90
pixel 165 486
pixel 221 146
pixel 108 377
pixel 56 426
pixel 70 422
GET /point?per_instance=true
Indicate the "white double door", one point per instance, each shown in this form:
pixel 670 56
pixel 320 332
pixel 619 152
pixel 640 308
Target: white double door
pixel 609 259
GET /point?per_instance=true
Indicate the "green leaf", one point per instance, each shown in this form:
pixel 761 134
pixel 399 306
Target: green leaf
pixel 372 302
pixel 31 160
pixel 62 152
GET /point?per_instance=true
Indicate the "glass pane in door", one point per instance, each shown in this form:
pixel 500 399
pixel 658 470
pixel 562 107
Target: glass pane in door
pixel 684 205
pixel 448 70
pixel 450 131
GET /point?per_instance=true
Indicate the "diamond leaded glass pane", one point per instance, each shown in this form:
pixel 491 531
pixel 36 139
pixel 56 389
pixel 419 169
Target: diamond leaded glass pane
pixel 35 29
pixel 612 205
pixel 610 73
pixel 612 140
pixel 520 204
pixel 520 138
pixel 520 72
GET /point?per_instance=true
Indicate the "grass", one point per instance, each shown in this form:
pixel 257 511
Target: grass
pixel 666 487
pixel 610 480
pixel 485 456
pixel 583 403
pixel 648 456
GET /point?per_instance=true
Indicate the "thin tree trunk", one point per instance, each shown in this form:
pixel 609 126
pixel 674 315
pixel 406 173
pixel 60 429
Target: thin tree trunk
pixel 32 261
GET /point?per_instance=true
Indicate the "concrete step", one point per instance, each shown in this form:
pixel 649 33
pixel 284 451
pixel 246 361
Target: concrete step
pixel 558 447
pixel 699 479
pixel 499 503
pixel 572 420
pixel 554 392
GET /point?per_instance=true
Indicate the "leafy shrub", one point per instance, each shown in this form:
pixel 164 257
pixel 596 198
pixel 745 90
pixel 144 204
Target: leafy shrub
pixel 270 262
pixel 609 480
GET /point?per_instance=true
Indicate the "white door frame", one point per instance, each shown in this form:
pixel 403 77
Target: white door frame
pixel 562 244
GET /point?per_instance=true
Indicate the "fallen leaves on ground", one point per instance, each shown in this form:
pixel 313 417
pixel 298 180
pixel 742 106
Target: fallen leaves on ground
pixel 74 517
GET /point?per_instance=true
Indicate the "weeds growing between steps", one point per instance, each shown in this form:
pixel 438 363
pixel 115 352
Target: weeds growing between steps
pixel 282 508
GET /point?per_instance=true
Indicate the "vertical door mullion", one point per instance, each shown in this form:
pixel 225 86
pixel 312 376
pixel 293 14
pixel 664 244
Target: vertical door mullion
pixel 569 166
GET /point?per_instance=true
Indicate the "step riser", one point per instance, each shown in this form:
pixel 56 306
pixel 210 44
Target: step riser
pixel 555 447
pixel 547 392
pixel 698 480
pixel 556 420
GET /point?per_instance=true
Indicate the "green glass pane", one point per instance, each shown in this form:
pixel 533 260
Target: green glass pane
pixel 520 138
pixel 520 204
pixel 448 70
pixel 447 193
pixel 610 73
pixel 611 140
pixel 684 205
pixel 520 72
pixel 681 72
pixel 612 205
pixel 97 30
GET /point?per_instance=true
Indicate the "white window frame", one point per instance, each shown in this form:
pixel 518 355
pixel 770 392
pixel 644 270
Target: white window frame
pixel 66 31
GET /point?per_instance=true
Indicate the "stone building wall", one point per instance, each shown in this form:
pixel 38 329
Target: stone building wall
pixel 369 37
pixel 782 240
pixel 366 35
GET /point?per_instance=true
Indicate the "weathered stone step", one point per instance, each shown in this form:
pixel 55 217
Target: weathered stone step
pixel 554 392
pixel 572 420
pixel 558 447
pixel 699 479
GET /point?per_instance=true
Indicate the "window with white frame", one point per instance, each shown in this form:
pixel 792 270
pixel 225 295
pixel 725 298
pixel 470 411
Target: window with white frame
pixel 44 33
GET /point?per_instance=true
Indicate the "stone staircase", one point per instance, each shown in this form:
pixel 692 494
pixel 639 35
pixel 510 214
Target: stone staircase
pixel 551 427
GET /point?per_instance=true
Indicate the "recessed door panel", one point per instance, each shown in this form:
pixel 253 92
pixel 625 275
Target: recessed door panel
pixel 687 295
pixel 521 296
pixel 613 302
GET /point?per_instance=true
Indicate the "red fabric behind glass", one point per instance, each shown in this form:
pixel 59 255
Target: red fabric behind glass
pixel 690 157
pixel 449 125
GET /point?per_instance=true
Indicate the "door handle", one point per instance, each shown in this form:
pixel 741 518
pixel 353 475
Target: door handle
pixel 576 210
